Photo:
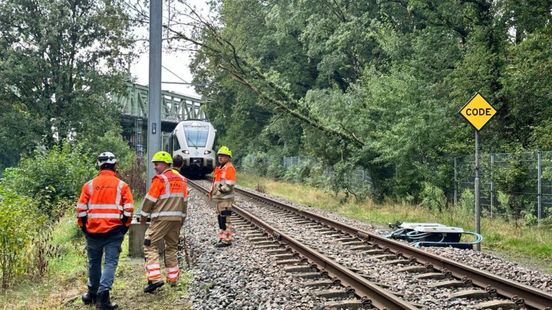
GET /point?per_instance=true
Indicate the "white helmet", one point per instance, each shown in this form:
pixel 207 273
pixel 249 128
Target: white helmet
pixel 106 158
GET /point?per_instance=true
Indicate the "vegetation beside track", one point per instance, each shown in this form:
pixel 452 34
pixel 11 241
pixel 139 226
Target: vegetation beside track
pixel 528 245
pixel 65 281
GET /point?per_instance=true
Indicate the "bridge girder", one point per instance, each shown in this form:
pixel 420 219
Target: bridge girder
pixel 174 107
pixel 134 113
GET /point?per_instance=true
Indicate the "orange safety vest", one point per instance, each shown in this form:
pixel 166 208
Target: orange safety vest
pixel 103 202
pixel 167 197
pixel 225 177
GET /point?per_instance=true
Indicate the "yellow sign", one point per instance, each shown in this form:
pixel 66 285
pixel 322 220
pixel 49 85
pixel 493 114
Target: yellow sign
pixel 478 111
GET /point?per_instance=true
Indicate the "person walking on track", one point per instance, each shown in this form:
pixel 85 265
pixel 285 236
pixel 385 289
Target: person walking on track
pixel 222 194
pixel 104 212
pixel 165 203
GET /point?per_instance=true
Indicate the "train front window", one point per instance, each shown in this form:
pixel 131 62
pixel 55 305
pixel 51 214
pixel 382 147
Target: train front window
pixel 196 136
pixel 174 143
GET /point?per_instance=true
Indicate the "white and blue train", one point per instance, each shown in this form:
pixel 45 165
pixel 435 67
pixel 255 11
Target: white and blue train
pixel 193 140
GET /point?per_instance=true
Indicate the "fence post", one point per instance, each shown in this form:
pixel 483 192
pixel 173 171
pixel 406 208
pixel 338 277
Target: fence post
pixel 455 183
pixel 492 185
pixel 539 187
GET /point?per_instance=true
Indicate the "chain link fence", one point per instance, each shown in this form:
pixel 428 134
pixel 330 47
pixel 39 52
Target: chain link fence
pixel 357 178
pixel 512 184
pixel 526 176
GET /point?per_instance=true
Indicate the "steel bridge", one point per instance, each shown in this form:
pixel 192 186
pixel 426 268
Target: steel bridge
pixel 134 113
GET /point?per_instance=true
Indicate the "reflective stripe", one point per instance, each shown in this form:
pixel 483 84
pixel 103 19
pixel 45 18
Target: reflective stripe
pixel 149 197
pixel 144 214
pixel 90 188
pixel 118 196
pixel 172 195
pixel 103 206
pixel 154 273
pixel 153 266
pixel 167 213
pixel 82 214
pixel 167 184
pixel 127 214
pixel 128 206
pixel 81 206
pixel 230 182
pixel 104 215
pixel 172 273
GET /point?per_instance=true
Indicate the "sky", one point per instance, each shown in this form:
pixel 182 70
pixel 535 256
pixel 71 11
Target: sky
pixel 177 62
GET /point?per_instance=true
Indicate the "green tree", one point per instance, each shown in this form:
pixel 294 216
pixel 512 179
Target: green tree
pixel 376 83
pixel 59 61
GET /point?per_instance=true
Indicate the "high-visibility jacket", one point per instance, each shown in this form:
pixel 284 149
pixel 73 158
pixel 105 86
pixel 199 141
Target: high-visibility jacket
pixel 105 205
pixel 167 197
pixel 224 180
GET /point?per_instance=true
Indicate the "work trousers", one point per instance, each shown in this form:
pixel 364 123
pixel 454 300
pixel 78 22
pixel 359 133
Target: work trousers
pixel 101 280
pixel 169 232
pixel 226 234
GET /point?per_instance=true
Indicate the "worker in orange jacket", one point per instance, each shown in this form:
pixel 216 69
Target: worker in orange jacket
pixel 222 193
pixel 104 212
pixel 165 203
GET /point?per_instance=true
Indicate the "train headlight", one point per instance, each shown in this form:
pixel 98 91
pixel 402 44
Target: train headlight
pixel 185 151
pixel 206 152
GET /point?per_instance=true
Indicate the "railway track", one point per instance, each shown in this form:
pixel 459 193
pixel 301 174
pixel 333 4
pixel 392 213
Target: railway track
pixel 313 264
pixel 498 292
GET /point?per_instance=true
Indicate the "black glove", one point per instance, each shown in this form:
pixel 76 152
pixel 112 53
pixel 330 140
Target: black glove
pixel 83 227
pixel 124 220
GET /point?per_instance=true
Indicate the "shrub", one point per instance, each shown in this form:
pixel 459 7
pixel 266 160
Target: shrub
pixel 111 141
pixel 274 168
pixel 50 176
pixel 467 202
pixel 19 224
pixel 255 163
pixel 299 172
pixel 433 197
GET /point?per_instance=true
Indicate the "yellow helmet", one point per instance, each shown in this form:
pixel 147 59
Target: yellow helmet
pixel 162 156
pixel 224 150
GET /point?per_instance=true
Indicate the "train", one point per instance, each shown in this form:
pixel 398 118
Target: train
pixel 194 140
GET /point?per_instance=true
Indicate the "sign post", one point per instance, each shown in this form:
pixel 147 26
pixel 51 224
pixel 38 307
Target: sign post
pixel 477 111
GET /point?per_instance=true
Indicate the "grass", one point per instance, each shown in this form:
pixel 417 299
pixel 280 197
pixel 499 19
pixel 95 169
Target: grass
pixel 67 274
pixel 528 245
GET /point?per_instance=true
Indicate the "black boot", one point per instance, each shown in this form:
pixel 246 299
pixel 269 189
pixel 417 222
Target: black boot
pixel 89 297
pixel 103 301
pixel 152 286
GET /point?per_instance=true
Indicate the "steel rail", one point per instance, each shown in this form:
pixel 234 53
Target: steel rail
pixel 366 290
pixel 532 297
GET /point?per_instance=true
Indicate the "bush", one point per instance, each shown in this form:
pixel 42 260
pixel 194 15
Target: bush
pixel 135 176
pixel 299 172
pixel 50 176
pixel 53 178
pixel 111 141
pixel 19 224
pixel 467 202
pixel 514 180
pixel 274 168
pixel 433 197
pixel 255 163
pixel 59 173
